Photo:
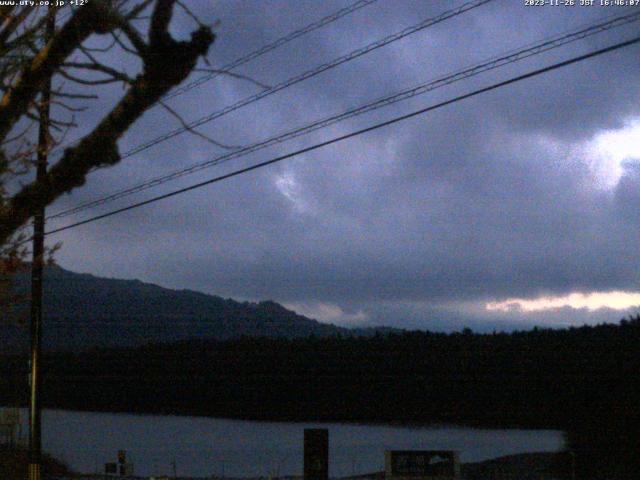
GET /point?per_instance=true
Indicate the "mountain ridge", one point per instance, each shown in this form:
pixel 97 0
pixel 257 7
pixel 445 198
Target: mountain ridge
pixel 81 311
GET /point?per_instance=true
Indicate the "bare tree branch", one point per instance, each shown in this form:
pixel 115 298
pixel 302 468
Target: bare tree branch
pixel 138 9
pixel 166 63
pixel 134 37
pixel 94 17
pixel 82 81
pixel 11 25
pixel 193 131
pixel 98 67
pixel 239 76
pixel 68 108
pixel 5 11
pixel 188 11
pixel 159 26
pixel 73 96
pixel 123 46
pixel 99 49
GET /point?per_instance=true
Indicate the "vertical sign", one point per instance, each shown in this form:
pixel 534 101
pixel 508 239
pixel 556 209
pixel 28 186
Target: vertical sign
pixel 316 454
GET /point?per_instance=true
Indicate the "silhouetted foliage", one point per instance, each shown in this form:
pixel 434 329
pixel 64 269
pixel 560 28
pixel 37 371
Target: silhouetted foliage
pixel 582 380
pixel 14 463
pixel 604 432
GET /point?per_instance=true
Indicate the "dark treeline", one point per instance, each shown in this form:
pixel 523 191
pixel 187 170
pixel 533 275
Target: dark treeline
pixel 582 380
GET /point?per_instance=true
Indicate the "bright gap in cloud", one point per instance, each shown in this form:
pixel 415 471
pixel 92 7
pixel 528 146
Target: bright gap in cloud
pixel 615 300
pixel 328 313
pixel 608 151
pixel 289 187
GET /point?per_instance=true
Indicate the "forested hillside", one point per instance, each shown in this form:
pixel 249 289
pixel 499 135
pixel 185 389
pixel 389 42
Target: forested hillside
pixel 83 311
pixel 582 380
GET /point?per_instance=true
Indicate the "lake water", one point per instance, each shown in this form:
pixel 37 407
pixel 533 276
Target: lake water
pixel 202 446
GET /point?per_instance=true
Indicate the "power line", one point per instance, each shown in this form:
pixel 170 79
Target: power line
pixel 271 46
pixel 265 49
pixel 309 74
pixel 490 64
pixel 354 134
pixel 315 71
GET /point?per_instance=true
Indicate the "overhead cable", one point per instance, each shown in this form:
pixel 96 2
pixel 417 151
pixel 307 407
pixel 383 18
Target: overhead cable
pixel 309 74
pixel 340 138
pixel 476 69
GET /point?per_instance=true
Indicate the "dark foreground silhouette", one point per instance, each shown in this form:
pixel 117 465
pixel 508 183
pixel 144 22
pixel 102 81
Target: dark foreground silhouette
pixel 582 380
pixel 14 463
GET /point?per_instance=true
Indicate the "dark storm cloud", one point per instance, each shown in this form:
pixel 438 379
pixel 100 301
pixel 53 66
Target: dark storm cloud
pixel 486 199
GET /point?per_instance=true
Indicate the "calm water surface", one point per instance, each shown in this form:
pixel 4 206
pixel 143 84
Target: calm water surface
pixel 202 446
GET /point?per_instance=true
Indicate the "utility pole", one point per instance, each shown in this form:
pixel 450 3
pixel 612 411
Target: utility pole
pixel 35 437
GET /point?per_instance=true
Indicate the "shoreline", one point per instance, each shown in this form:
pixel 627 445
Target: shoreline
pixel 523 466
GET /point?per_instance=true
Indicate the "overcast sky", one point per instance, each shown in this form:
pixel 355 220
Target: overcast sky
pixel 487 213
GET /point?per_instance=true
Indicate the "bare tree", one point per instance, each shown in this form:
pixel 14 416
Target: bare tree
pixel 79 57
pixel 27 65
